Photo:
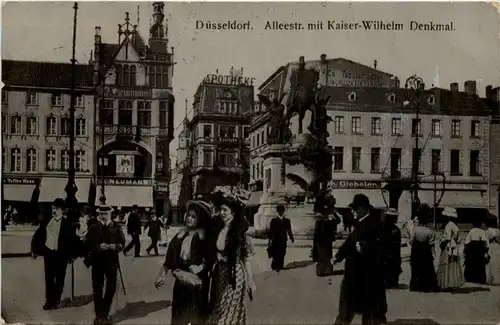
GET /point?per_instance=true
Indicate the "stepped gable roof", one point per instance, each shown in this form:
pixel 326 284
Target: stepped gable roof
pixel 45 74
pixel 379 100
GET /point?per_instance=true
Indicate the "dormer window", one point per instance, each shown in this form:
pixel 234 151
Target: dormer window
pixel 431 100
pixel 391 98
pixel 352 96
pixel 31 98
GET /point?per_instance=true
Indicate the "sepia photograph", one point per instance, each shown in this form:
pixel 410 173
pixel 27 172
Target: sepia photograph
pixel 233 163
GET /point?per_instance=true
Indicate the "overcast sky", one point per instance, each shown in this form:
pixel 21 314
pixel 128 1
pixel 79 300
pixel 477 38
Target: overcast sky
pixel 42 31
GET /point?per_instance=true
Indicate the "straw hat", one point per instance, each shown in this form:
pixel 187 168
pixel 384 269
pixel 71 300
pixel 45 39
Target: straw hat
pixel 450 212
pixel 200 206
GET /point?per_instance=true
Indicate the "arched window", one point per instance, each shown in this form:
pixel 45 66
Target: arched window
pixel 133 72
pixel 126 75
pixel 119 72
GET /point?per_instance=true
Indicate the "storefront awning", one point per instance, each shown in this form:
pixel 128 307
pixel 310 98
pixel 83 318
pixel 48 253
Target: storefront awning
pixel 52 188
pixel 254 199
pixel 127 196
pixel 344 197
pixel 18 192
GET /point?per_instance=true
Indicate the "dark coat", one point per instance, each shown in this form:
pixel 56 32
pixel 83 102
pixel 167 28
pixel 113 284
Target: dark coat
pixel 324 236
pixel 134 225
pixel 98 235
pixel 66 242
pixel 363 285
pixel 154 228
pixel 279 231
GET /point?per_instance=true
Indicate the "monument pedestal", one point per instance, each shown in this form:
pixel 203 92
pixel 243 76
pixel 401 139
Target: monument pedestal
pixel 302 217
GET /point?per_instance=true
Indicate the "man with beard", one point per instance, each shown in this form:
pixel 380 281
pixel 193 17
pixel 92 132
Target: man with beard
pixel 363 286
pixel 104 240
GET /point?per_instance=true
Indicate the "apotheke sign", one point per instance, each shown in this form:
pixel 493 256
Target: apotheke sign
pixel 229 80
pixel 356 184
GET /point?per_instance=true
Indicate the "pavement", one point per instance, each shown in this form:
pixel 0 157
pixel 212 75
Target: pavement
pixel 293 296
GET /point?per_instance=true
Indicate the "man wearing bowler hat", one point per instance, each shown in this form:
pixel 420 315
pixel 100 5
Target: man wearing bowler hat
pixel 104 240
pixel 363 286
pixel 55 240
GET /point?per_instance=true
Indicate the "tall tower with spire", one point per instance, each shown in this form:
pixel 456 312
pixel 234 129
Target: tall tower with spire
pixel 158 40
pixel 183 147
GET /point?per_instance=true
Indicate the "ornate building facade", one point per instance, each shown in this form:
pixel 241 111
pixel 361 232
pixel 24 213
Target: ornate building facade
pixel 135 114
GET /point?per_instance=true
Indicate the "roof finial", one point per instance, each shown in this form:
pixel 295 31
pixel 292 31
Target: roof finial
pixel 186 108
pixel 138 12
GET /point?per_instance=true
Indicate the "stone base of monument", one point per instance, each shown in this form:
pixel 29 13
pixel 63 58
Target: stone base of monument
pixel 301 216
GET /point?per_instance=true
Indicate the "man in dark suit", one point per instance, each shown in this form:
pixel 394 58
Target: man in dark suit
pixel 134 229
pixel 54 240
pixel 104 240
pixel 363 286
pixel 279 229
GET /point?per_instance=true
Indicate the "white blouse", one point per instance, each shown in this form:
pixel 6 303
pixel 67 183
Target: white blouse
pixel 477 234
pixel 185 253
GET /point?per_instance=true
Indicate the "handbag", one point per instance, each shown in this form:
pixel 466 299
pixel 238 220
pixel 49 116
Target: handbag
pixel 187 278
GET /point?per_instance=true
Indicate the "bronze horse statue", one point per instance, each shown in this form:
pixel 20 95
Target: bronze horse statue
pixel 279 133
pixel 302 86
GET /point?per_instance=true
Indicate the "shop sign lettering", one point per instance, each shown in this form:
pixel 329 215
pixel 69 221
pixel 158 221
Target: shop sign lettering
pixel 356 184
pixel 126 181
pixel 229 80
pixel 19 181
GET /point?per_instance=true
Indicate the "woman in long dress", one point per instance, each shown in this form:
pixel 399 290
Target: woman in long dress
pixel 493 267
pixel 186 252
pixel 232 276
pixel 476 249
pixel 450 274
pixel 324 236
pixel 422 240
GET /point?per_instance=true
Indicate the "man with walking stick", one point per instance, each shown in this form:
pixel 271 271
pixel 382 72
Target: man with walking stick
pixel 105 240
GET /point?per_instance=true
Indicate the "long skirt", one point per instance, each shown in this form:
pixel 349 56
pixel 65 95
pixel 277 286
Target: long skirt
pixel 423 274
pixel 493 267
pixel 228 302
pixel 449 274
pixel 187 304
pixel 324 254
pixel 475 262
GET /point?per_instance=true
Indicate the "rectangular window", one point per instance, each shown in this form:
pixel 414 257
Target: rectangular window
pixel 31 160
pixel 159 164
pixel 455 162
pixel 258 139
pixel 50 159
pixel 436 161
pixel 207 158
pixel 417 160
pixel 5 97
pixel 163 114
pixel 396 126
pixel 376 125
pixel 475 163
pixel 125 112
pixel 416 127
pixel 15 160
pixel 228 132
pixel 474 129
pixel 65 126
pixel 356 125
pixel 81 127
pixel 227 160
pixel 455 128
pixel 338 158
pixel 246 132
pixel 57 99
pixel 31 125
pixel 64 160
pixel 4 159
pixel 375 160
pixel 158 76
pixel 207 131
pixel 339 124
pixel 436 128
pixel 356 159
pixel 79 101
pixel 31 98
pixel 395 163
pixel 80 163
pixel 144 114
pixel 50 125
pixel 4 123
pixel 106 112
pixel 15 124
pixel 262 137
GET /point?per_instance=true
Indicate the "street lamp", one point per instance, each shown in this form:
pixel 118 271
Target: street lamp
pixel 415 84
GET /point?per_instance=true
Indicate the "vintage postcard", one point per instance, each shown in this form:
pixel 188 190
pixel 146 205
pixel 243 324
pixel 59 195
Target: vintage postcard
pixel 250 163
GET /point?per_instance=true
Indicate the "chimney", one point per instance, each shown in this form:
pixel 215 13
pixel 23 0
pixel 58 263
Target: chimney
pixel 454 87
pixel 470 87
pixel 375 64
pixel 97 36
pixel 488 92
pixel 323 58
pixel 495 94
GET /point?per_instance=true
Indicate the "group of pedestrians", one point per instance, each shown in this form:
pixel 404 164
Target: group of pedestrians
pixel 210 261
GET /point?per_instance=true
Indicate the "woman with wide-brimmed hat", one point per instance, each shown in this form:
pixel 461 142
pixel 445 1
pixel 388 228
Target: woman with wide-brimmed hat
pixel 449 274
pixel 186 259
pixel 232 276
